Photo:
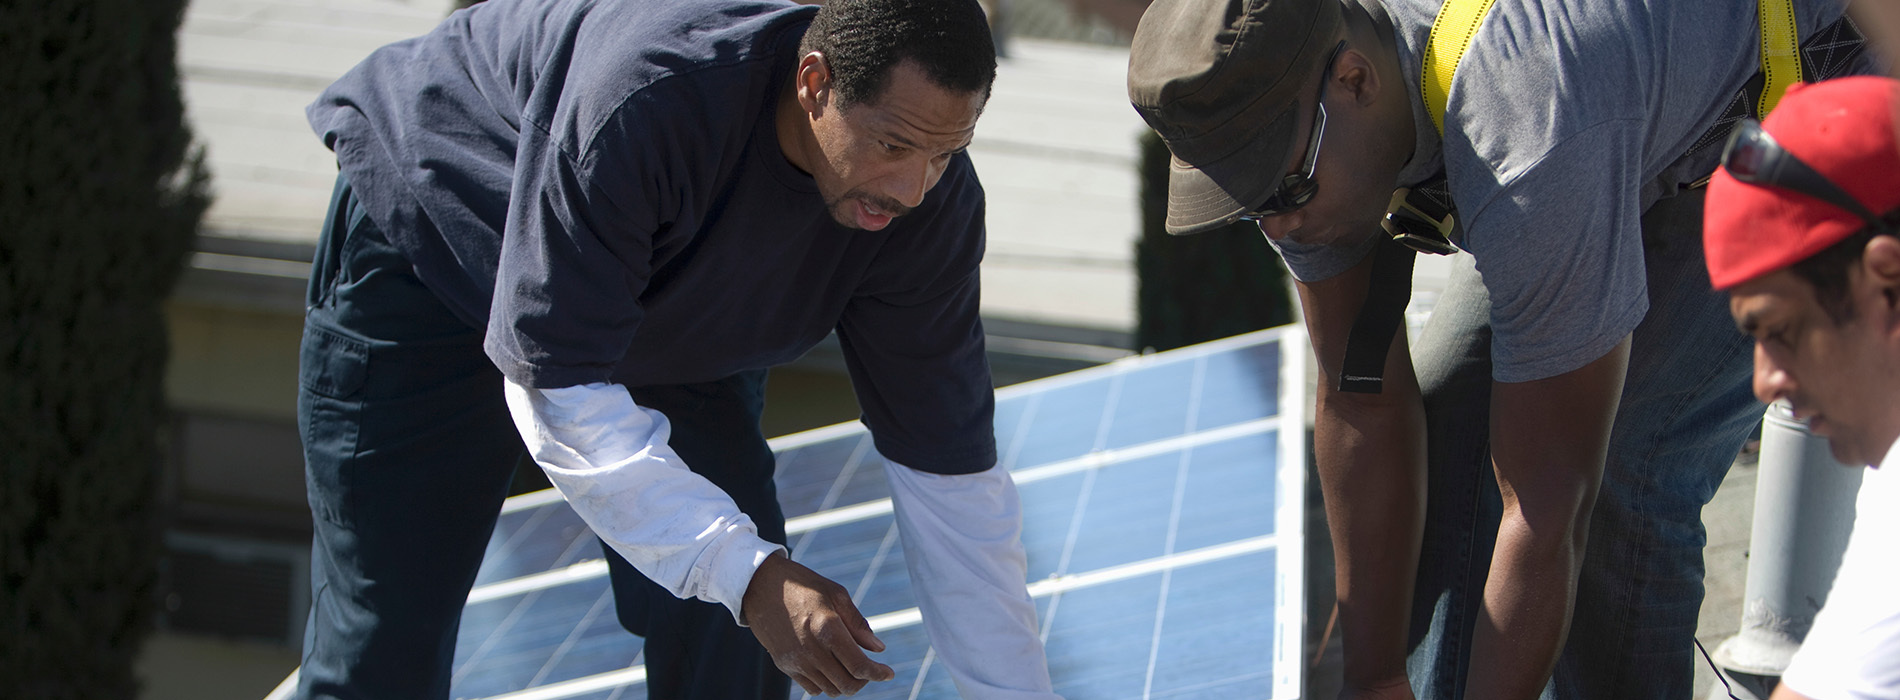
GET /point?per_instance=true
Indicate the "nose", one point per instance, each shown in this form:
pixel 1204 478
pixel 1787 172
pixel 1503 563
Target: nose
pixel 1771 382
pixel 1279 226
pixel 910 185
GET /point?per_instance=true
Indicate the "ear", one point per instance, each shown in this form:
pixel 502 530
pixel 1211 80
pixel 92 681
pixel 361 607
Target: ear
pixel 1880 271
pixel 813 83
pixel 1357 75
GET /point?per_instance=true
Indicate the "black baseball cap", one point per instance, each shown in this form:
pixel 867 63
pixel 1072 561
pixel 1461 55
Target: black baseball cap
pixel 1221 81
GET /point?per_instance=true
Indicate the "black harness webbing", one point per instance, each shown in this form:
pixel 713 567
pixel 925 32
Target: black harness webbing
pixel 1379 317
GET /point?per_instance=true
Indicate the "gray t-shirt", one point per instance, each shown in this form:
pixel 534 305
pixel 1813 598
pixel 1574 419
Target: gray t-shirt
pixel 1565 122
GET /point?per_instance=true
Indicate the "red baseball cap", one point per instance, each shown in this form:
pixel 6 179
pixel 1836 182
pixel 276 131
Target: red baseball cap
pixel 1844 130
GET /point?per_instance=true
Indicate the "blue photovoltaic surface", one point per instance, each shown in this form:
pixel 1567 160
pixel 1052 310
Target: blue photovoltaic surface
pixel 1161 504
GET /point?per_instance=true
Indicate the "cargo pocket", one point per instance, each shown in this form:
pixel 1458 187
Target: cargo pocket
pixel 329 415
pixel 332 365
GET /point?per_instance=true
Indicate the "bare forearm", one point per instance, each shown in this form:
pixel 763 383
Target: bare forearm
pixel 1370 451
pixel 1372 472
pixel 1549 439
pixel 1525 617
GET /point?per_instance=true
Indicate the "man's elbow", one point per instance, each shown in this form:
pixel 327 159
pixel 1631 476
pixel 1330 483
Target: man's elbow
pixel 1393 406
pixel 1555 510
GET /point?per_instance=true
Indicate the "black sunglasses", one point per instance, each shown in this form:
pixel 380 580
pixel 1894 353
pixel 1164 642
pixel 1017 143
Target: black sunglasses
pixel 1752 156
pixel 1296 189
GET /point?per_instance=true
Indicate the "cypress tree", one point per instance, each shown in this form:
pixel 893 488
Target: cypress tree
pixel 100 195
pixel 1202 287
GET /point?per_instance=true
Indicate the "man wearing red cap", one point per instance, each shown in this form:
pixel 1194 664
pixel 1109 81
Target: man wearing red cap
pixel 1801 231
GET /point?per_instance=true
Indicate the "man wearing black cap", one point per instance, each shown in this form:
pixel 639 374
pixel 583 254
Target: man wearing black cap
pixel 1578 354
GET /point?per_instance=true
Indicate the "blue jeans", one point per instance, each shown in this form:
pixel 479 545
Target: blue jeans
pixel 409 450
pixel 1686 408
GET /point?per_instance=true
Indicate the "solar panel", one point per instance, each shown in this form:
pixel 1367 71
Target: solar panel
pixel 1162 502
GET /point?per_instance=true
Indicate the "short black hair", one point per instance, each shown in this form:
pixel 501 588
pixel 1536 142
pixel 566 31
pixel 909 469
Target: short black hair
pixel 862 39
pixel 1827 270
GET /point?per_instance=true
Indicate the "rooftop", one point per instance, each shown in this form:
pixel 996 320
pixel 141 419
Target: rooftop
pixel 1056 149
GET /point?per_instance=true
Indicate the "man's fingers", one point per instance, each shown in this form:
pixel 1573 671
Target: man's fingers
pixel 815 634
pixel 833 678
pixel 863 667
pixel 821 677
pixel 836 652
pixel 805 684
pixel 860 628
pixel 852 659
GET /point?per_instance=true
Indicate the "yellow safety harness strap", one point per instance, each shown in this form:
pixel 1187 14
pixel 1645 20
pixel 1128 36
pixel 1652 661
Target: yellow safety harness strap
pixel 1780 52
pixel 1451 34
pixel 1458 20
pixel 1415 213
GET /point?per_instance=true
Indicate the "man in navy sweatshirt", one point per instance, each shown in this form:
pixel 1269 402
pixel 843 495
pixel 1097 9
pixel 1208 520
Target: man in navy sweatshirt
pixel 582 230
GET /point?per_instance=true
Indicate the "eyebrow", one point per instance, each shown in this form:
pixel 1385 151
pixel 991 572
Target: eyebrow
pixel 901 140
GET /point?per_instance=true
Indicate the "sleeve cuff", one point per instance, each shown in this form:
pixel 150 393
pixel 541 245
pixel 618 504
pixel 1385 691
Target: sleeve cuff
pixel 731 568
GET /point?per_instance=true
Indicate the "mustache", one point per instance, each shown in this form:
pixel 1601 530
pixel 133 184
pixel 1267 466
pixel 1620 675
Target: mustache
pixel 877 201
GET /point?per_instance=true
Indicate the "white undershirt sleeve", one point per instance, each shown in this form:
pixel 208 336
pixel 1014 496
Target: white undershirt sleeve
pixel 962 538
pixel 610 459
pixel 1853 650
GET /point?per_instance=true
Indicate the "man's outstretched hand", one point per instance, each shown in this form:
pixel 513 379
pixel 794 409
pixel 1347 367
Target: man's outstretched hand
pixel 810 627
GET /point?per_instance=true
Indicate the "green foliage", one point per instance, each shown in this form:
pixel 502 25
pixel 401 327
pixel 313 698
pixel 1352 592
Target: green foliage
pixel 1205 286
pixel 99 199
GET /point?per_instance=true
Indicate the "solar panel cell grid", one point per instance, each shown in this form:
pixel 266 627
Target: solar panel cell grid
pixel 1150 516
pixel 807 475
pixel 535 540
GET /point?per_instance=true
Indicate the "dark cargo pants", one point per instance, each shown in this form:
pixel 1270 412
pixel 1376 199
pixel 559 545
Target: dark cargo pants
pixel 409 451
